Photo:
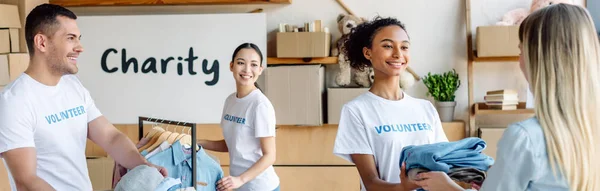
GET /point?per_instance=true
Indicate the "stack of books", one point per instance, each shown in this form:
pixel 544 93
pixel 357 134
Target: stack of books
pixel 502 99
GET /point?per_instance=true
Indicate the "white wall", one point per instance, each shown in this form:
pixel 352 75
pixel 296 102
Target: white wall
pixel 436 28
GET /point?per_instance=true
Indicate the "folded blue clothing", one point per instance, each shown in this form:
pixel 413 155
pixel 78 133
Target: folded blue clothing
pixel 445 155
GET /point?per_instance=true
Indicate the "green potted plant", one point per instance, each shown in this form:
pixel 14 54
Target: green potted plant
pixel 442 88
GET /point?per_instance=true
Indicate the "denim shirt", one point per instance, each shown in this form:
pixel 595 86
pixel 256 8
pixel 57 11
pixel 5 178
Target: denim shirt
pixel 522 161
pixel 177 160
pixel 445 155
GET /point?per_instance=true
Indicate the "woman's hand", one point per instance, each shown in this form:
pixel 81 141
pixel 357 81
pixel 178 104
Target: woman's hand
pixel 433 181
pixel 406 183
pixel 229 183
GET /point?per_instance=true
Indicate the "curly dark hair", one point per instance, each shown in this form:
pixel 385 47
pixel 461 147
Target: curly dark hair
pixel 362 36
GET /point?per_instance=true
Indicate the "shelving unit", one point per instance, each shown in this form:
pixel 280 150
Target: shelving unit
pixel 476 109
pixel 72 3
pixel 279 61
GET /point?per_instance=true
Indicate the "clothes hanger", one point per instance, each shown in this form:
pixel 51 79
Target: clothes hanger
pixel 181 135
pixel 173 137
pixel 155 129
pixel 187 140
pixel 155 138
pixel 163 137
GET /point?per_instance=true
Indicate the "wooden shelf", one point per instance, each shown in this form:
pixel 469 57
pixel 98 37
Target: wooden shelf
pixel 325 60
pixel 483 109
pixel 72 3
pixel 495 59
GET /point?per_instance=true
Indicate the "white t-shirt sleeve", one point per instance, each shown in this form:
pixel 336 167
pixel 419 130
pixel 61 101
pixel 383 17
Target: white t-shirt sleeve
pixel 264 121
pixel 91 109
pixel 16 125
pixel 440 135
pixel 351 137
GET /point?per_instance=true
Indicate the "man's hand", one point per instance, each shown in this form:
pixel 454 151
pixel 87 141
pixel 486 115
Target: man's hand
pixel 434 181
pixel 406 183
pixel 160 169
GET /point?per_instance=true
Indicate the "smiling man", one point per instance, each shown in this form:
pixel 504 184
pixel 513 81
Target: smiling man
pixel 46 115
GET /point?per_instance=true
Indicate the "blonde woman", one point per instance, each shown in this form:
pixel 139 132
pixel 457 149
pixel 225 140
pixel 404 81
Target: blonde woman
pixel 557 149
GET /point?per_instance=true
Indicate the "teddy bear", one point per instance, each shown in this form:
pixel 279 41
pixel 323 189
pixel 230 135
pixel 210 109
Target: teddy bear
pixel 516 16
pixel 347 74
pixel 343 78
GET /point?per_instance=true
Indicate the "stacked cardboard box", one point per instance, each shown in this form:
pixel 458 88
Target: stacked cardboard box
pixel 12 61
pixel 502 99
pixel 25 6
pixel 10 24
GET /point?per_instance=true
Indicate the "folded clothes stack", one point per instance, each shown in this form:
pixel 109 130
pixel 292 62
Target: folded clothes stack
pixel 146 178
pixel 462 160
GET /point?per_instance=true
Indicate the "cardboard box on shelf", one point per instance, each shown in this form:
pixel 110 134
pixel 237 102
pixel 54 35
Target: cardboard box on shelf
pixel 454 130
pixel 100 170
pixel 4 182
pixel 497 41
pixel 14 40
pixel 9 16
pixel 4 41
pixel 17 64
pixel 4 74
pixel 303 44
pixel 296 93
pixel 24 6
pixel 491 136
pixel 9 40
pixel 336 98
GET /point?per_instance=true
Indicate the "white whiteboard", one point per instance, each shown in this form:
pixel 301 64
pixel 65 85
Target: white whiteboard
pixel 122 97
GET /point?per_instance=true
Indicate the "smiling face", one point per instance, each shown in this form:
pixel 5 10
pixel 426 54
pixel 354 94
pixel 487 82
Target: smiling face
pixel 63 47
pixel 246 67
pixel 389 52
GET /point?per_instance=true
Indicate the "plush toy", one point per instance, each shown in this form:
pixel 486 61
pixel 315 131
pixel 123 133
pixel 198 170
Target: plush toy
pixel 516 16
pixel 343 78
pixel 363 78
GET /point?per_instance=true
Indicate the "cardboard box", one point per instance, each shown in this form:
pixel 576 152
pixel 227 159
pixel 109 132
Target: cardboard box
pixel 303 44
pixel 9 40
pixel 336 98
pixel 4 75
pixel 100 170
pixel 17 64
pixel 497 41
pixel 14 40
pixel 491 136
pixel 296 93
pixel 454 130
pixel 4 181
pixel 25 6
pixel 4 41
pixel 9 16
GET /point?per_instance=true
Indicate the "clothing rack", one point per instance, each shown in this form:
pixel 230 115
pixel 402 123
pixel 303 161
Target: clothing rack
pixel 178 123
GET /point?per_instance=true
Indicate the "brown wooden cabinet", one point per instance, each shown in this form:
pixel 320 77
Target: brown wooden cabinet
pixel 302 178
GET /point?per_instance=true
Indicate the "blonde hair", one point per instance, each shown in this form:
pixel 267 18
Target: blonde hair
pixel 561 56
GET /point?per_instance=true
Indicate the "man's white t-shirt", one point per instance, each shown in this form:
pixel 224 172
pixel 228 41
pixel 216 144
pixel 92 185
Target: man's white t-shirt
pixel 370 124
pixel 244 121
pixel 54 120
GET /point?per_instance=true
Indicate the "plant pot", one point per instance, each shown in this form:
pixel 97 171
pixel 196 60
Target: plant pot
pixel 445 110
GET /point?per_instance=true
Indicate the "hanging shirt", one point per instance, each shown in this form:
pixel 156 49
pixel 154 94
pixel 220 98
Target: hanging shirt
pixel 372 125
pixel 178 162
pixel 53 120
pixel 245 120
